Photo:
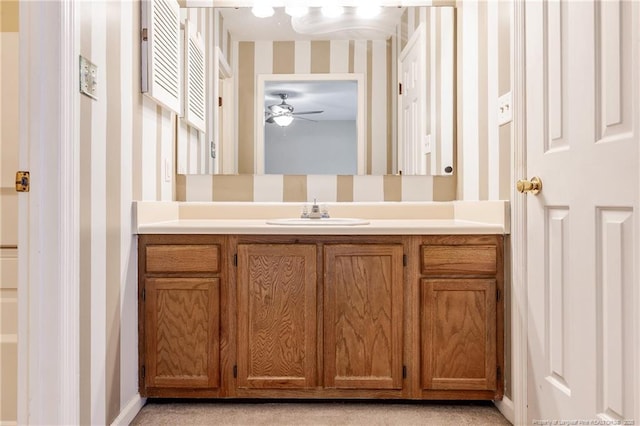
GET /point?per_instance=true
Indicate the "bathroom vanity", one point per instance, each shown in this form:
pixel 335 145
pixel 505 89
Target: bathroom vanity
pixel 402 308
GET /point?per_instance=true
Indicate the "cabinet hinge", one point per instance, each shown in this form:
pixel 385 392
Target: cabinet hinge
pixel 404 260
pixel 144 294
pixel 235 371
pixel 498 373
pixel 498 295
pixel 404 371
pixel 235 259
pixel 143 371
pixel 400 88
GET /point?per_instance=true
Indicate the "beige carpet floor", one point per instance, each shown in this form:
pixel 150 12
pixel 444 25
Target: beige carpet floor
pixel 318 413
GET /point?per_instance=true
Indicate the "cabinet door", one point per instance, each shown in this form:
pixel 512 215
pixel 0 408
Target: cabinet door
pixel 277 316
pixel 459 334
pixel 363 287
pixel 182 332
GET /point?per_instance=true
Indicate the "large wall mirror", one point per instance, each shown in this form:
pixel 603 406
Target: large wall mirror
pixel 344 95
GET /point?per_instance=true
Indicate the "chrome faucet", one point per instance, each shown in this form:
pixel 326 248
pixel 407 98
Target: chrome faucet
pixel 315 212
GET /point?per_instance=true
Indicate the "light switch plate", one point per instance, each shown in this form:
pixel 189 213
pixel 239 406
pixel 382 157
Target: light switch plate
pixel 505 110
pixel 88 78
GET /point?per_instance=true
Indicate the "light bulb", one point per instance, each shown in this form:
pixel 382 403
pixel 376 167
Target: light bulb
pixel 283 120
pixel 296 11
pixel 262 11
pixel 332 11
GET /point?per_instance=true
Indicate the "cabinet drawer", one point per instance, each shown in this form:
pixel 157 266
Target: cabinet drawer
pixel 458 259
pixel 183 258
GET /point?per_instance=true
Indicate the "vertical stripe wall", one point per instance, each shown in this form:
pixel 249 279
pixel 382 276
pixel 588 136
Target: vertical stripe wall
pixel 484 74
pixel 126 143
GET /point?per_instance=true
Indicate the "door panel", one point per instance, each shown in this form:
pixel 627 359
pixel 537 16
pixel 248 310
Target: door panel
pixel 182 332
pixel 363 316
pixel 276 316
pixel 459 334
pixel 582 140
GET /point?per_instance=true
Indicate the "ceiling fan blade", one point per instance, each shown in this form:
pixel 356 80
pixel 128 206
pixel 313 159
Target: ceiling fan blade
pixel 307 119
pixel 308 112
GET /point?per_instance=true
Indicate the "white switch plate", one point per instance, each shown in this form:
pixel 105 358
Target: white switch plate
pixel 505 110
pixel 88 78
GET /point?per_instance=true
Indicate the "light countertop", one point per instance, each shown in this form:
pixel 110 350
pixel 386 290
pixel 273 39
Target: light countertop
pixel 417 218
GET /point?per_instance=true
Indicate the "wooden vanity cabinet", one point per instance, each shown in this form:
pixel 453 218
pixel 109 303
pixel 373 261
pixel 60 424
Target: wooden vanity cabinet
pixel 314 316
pixel 462 316
pixel 179 315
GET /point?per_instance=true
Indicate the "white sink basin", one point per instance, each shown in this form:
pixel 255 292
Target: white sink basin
pixel 328 221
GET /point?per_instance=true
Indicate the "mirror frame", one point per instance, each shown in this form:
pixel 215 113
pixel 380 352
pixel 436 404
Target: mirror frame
pixel 259 141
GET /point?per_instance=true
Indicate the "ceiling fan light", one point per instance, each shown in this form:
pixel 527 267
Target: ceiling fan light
pixel 296 11
pixel 262 11
pixel 283 120
pixel 332 11
pixel 368 11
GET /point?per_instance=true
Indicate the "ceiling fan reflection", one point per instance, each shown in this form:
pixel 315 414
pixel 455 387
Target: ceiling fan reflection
pixel 282 114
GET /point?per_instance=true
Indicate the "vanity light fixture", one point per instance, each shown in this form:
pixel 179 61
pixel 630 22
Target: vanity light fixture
pixel 332 10
pixel 296 11
pixel 368 10
pixel 283 120
pixel 261 10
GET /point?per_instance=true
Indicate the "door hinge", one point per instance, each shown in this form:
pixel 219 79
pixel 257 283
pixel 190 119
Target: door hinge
pixel 144 34
pixel 404 371
pixel 144 294
pixel 143 371
pixel 235 371
pixel 400 88
pixel 404 260
pixel 235 259
pixel 498 373
pixel 22 181
pixel 219 101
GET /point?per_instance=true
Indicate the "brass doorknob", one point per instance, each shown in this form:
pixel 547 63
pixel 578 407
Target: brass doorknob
pixel 533 186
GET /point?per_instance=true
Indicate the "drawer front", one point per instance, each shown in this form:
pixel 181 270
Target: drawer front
pixel 458 259
pixel 183 258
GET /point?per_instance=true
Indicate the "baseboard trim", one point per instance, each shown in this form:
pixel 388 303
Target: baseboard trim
pixel 130 410
pixel 507 409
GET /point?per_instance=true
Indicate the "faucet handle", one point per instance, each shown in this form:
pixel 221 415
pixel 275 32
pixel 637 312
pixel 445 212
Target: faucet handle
pixel 305 212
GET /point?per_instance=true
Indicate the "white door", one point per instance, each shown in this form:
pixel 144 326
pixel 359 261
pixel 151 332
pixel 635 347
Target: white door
pixel 413 64
pixel 582 91
pixel 9 99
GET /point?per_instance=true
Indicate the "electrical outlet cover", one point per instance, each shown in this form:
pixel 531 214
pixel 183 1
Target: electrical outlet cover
pixel 505 110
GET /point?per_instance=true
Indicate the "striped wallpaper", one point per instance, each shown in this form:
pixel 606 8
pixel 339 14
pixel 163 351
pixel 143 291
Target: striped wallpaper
pixel 328 188
pixel 126 142
pixel 484 74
